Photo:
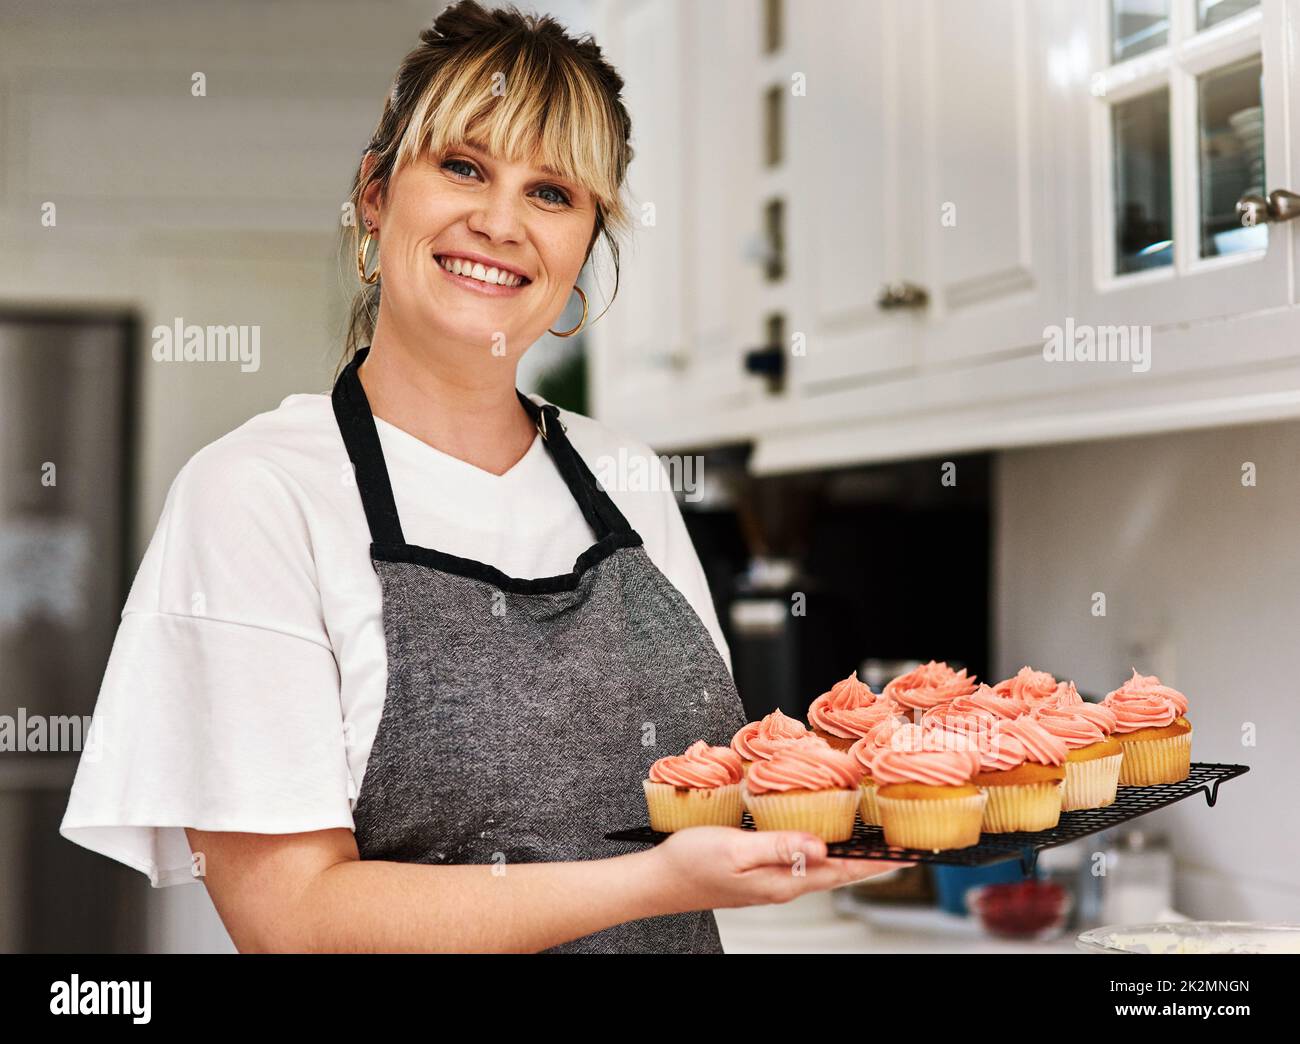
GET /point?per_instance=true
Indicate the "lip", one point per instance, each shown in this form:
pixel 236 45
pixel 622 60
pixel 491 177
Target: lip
pixel 479 287
pixel 485 261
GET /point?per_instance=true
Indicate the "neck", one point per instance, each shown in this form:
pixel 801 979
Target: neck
pixel 470 413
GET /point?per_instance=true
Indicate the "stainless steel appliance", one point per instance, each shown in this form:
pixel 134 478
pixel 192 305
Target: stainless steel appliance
pixel 65 477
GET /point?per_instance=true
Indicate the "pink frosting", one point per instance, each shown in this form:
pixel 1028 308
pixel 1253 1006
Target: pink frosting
pixel 978 731
pixel 804 766
pixel 1143 702
pixel 984 698
pixel 1066 696
pixel 1078 726
pixel 849 692
pixel 1003 750
pixel 756 740
pixel 938 768
pixel 701 767
pixel 850 722
pixel 929 685
pixel 1028 685
pixel 1041 746
pixel 863 751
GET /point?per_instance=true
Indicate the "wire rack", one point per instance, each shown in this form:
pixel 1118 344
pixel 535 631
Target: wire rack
pixel 868 842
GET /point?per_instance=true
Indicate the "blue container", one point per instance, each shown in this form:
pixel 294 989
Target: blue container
pixel 952 882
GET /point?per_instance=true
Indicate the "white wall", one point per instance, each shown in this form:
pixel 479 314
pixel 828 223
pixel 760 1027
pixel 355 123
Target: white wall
pixel 1202 582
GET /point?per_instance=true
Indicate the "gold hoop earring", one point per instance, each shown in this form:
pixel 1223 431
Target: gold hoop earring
pixel 581 324
pixel 361 262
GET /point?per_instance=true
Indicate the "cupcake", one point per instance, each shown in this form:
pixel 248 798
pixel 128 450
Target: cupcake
pixel 698 788
pixel 929 685
pixel 756 740
pixel 863 751
pixel 848 712
pixel 806 786
pixel 1152 726
pixel 1093 762
pixel 926 798
pixel 1022 771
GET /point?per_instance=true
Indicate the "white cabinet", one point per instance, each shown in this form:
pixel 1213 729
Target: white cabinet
pixel 924 154
pixel 668 358
pixel 853 214
pixel 1031 165
pixel 989 178
pixel 1163 244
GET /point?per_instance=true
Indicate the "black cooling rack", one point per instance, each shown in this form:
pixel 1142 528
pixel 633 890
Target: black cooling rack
pixel 869 842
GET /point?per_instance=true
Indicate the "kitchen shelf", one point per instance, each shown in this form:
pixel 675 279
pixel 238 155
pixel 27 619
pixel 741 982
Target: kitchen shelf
pixel 1131 802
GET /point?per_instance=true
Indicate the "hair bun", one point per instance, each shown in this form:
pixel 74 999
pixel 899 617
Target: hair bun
pixel 462 21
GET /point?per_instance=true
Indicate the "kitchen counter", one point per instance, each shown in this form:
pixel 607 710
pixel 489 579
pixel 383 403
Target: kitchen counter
pixel 834 922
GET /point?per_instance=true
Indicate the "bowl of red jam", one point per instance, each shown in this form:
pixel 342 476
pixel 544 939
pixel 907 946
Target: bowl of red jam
pixel 1021 909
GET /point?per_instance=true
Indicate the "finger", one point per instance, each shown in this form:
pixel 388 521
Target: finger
pixel 849 870
pixel 783 847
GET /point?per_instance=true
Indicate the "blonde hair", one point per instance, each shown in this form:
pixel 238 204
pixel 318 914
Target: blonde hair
pixel 514 84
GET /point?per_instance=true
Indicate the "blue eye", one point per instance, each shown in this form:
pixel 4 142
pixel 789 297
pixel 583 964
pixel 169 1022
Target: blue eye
pixel 562 197
pixel 563 200
pixel 460 162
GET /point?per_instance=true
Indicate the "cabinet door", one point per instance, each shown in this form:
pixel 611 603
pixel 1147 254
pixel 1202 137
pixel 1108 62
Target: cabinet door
pixel 988 196
pixel 639 346
pixel 849 226
pixel 1187 112
pixel 669 363
pixel 719 152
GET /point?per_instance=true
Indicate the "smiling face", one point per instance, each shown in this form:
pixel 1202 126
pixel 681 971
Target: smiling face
pixel 477 253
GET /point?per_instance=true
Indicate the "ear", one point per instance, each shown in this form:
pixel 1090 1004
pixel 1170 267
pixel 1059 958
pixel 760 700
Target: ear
pixel 372 199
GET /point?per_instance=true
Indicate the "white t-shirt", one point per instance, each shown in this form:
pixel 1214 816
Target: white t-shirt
pixel 252 636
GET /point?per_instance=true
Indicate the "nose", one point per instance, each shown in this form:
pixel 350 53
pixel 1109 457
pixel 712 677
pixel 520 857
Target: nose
pixel 495 214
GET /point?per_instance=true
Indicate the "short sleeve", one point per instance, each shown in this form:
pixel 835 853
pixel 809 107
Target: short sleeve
pixel 219 708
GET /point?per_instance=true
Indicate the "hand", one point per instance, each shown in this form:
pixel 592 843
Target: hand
pixel 707 868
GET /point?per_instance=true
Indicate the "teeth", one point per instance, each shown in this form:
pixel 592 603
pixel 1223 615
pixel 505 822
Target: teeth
pixel 474 270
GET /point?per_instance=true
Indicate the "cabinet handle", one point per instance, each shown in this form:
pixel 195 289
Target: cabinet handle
pixel 1280 205
pixel 767 361
pixel 902 295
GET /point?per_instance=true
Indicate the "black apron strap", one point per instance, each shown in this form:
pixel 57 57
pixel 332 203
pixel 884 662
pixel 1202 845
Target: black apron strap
pixel 356 423
pixel 598 508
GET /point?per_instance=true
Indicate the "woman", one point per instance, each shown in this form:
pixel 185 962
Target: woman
pixel 419 744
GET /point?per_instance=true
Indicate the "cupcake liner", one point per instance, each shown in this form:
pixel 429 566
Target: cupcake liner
pixel 868 808
pixel 1022 806
pixel 830 814
pixel 1091 784
pixel 933 823
pixel 676 808
pixel 1150 761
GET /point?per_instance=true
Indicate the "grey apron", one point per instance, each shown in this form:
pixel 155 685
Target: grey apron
pixel 522 715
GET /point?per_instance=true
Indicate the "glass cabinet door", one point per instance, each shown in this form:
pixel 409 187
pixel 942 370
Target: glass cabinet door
pixel 1144 204
pixel 1230 131
pixel 1187 121
pixel 1137 26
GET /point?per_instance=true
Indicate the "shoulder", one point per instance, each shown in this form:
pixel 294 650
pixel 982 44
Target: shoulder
pixel 280 455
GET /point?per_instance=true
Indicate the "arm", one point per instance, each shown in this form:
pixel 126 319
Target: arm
pixel 312 892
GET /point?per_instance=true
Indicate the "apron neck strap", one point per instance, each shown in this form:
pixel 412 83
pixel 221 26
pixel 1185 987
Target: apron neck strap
pixel 356 423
